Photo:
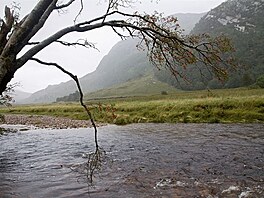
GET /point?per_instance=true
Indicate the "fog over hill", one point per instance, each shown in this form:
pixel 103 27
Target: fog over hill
pixel 19 95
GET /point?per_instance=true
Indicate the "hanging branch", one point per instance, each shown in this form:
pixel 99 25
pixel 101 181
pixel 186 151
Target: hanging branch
pixel 80 12
pixel 75 78
pixel 95 159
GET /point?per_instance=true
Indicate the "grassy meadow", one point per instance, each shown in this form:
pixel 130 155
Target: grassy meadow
pixel 215 106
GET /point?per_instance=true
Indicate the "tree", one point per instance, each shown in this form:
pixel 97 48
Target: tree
pixel 6 97
pixel 260 81
pixel 71 97
pixel 162 37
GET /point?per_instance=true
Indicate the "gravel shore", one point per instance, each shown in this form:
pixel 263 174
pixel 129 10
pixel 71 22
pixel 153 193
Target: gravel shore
pixel 45 121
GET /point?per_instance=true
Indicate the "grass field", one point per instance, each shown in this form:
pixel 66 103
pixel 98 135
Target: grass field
pixel 216 106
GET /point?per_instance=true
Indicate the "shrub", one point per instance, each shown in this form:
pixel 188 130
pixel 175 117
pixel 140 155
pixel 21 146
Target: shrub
pixel 260 81
pixel 164 93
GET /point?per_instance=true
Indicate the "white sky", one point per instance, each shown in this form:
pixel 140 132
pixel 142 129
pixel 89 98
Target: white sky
pixel 81 61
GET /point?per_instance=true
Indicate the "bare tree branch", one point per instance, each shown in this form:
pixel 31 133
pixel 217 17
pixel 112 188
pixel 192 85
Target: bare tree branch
pixel 79 13
pixel 75 78
pixel 34 50
pixel 83 27
pixel 84 43
pixel 94 161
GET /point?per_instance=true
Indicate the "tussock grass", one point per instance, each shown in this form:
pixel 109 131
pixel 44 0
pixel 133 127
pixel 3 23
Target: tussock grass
pixel 217 106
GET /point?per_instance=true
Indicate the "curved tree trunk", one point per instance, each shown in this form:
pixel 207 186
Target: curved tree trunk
pixel 14 36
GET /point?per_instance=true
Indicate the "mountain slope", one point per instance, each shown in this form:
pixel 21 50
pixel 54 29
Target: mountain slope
pixel 242 21
pixel 122 63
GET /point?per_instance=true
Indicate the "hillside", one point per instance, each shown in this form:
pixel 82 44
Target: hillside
pixel 242 21
pixel 123 63
pixel 18 95
pixel 142 86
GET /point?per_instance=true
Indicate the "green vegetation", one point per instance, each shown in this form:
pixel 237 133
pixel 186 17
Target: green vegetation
pixel 248 42
pixel 70 98
pixel 260 81
pixel 217 106
pixel 142 86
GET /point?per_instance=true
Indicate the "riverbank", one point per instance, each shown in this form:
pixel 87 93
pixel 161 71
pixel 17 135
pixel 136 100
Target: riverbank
pixel 43 121
pixel 215 106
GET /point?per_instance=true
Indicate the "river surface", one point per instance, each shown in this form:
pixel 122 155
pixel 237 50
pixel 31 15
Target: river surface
pixel 142 160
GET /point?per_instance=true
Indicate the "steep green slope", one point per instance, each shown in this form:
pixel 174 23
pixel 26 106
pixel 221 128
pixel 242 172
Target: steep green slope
pixel 242 21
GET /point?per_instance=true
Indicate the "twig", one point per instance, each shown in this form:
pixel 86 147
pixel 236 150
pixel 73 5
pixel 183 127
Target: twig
pixel 79 13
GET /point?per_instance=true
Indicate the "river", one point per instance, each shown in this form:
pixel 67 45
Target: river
pixel 142 160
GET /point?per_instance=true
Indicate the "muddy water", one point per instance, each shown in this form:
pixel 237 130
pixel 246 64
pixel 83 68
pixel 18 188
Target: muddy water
pixel 143 160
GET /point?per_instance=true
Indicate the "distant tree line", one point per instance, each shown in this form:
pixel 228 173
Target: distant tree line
pixel 196 81
pixel 69 98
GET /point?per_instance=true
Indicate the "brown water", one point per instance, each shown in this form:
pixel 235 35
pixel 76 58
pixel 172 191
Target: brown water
pixel 143 160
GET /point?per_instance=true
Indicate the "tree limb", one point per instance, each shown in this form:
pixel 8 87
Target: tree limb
pixel 5 27
pixel 85 43
pixel 33 22
pixel 153 35
pixel 94 162
pixel 80 11
pixel 34 50
pixel 87 26
pixel 81 27
pixel 75 78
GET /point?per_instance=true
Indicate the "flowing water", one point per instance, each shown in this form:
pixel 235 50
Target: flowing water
pixel 142 160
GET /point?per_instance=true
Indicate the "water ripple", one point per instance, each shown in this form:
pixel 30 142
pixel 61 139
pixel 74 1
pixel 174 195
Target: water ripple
pixel 146 160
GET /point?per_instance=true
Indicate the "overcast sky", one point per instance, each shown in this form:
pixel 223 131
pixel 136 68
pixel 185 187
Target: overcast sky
pixel 80 61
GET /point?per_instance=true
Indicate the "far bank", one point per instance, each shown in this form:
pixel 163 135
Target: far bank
pixel 215 106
